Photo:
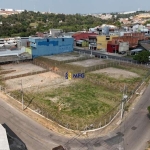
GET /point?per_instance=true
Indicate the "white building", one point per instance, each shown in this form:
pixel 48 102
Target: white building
pixel 20 11
pixel 123 46
pixel 9 10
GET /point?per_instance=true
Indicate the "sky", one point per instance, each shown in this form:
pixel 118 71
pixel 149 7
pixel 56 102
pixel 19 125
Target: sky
pixel 77 6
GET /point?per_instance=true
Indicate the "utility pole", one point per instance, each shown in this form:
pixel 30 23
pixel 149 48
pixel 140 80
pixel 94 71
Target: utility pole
pixel 115 48
pixel 123 101
pixel 91 50
pixel 22 95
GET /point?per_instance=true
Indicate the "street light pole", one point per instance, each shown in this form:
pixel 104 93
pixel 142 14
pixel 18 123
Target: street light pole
pixel 22 95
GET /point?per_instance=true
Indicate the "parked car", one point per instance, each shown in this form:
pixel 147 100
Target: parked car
pixel 101 56
pixel 122 52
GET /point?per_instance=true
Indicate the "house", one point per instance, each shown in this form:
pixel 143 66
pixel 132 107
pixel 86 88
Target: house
pixel 82 43
pixel 82 35
pixel 113 47
pixel 102 41
pixel 93 42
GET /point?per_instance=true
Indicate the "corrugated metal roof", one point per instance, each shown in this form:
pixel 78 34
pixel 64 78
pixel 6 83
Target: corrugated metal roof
pixel 75 34
pixel 136 50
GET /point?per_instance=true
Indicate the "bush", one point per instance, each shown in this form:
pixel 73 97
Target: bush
pixel 148 109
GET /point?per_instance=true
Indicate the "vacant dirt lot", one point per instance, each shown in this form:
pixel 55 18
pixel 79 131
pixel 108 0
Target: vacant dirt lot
pixel 89 62
pixel 117 73
pixel 21 68
pixel 64 57
pixel 38 81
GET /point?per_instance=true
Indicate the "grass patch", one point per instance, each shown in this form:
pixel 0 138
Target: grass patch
pixel 80 103
pixel 1 76
pixel 120 83
pixel 113 83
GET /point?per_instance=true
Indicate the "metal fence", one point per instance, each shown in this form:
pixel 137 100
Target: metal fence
pixel 98 123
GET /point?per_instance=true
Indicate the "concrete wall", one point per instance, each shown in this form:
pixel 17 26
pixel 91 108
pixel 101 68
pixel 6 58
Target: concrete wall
pixel 24 41
pixel 50 46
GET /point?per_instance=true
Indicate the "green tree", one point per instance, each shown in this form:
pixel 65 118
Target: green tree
pixel 142 57
pixel 118 24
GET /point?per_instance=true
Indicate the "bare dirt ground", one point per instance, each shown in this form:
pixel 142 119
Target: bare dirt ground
pixel 21 68
pixel 36 81
pixel 117 73
pixel 64 57
pixel 89 62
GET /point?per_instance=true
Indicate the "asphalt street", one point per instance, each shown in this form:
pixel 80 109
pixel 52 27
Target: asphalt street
pixel 99 53
pixel 132 134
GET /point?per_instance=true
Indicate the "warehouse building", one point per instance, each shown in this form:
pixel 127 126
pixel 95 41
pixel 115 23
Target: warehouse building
pixel 50 46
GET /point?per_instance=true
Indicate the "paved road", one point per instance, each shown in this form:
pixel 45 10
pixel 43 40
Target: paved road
pixel 132 134
pixel 99 53
pixel 136 127
pixel 35 136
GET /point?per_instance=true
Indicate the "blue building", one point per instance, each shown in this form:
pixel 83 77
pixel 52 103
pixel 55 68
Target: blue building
pixel 50 46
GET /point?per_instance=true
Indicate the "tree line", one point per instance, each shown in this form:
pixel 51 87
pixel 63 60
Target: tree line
pixel 29 22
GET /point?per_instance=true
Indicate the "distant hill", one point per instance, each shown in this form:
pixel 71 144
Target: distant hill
pixel 28 23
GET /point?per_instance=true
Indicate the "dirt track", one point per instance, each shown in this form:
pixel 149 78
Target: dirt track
pixel 117 73
pixel 89 62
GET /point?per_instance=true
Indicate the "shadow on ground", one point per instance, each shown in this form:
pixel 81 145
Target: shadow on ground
pixel 148 115
pixel 15 143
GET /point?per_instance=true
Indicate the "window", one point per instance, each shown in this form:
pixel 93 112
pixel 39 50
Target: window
pixel 107 38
